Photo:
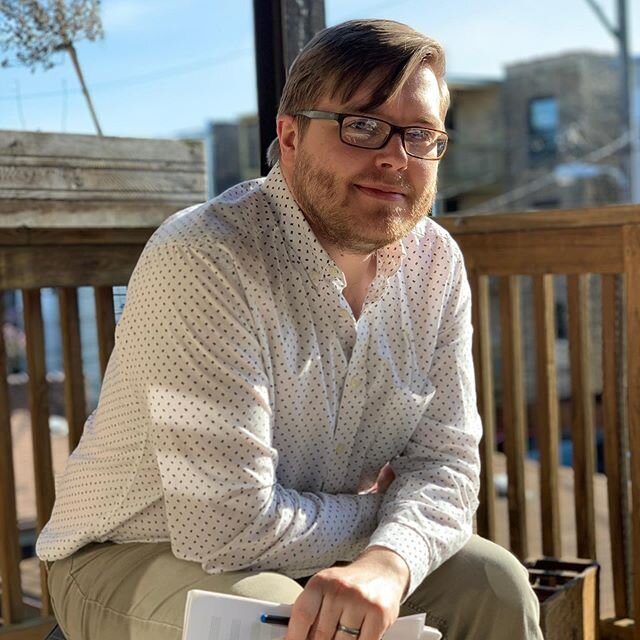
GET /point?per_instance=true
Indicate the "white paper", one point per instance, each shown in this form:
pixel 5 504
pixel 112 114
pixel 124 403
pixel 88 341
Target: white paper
pixel 216 616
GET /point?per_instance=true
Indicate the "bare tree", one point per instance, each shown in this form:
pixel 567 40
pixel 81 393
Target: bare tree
pixel 34 31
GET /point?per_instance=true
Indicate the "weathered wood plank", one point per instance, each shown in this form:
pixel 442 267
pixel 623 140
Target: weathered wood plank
pixel 632 320
pixel 12 610
pixel 55 145
pixel 582 418
pixel 547 428
pixel 121 164
pixel 69 266
pixel 39 406
pixel 66 183
pixel 94 213
pixel 106 323
pixel 513 410
pixel 614 455
pixel 497 223
pixel 539 252
pixel 105 195
pixel 74 236
pixel 74 397
pixel 486 515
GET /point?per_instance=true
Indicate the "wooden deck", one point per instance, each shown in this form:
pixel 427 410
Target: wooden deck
pixel 25 490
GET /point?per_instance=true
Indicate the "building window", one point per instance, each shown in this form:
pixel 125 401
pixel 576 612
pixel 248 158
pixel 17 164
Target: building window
pixel 543 129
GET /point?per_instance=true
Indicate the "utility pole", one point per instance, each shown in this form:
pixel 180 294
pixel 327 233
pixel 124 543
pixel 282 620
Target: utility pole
pixel 281 29
pixel 620 32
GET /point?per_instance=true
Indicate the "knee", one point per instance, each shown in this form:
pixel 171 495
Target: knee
pixel 273 587
pixel 498 578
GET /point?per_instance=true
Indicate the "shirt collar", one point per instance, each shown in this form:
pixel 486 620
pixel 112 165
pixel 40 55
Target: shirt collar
pixel 303 246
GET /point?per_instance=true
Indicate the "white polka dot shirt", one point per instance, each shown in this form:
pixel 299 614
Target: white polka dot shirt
pixel 245 411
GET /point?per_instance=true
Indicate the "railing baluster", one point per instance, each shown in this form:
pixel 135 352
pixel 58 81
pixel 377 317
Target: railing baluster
pixel 106 323
pixel 39 405
pixel 513 410
pixel 612 446
pixel 632 335
pixel 12 609
pixel 582 420
pixel 74 398
pixel 486 516
pixel 547 412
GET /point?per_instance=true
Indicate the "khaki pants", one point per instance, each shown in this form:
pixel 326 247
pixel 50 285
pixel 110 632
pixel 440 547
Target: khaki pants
pixel 138 591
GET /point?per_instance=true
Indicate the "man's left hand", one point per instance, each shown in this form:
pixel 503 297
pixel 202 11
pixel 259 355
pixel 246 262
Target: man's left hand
pixel 363 596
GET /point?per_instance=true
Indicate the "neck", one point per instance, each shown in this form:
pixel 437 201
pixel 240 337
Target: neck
pixel 359 271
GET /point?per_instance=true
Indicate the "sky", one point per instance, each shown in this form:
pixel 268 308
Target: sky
pixel 167 67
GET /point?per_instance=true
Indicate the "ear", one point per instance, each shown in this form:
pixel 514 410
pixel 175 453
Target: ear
pixel 287 128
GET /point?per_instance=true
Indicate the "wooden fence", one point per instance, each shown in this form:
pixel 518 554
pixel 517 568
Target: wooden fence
pixel 578 246
pixel 107 187
pixel 508 247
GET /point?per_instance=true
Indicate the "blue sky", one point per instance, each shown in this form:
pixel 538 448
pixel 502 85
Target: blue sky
pixel 167 66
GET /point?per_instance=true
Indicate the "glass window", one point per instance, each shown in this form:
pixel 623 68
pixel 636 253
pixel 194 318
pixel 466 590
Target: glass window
pixel 543 129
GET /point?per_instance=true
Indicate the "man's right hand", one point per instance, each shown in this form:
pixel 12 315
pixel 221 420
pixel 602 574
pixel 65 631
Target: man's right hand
pixel 364 596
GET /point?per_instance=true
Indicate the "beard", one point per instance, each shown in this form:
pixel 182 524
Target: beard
pixel 330 205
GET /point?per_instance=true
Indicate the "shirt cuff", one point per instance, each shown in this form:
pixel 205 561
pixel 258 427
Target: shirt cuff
pixel 410 546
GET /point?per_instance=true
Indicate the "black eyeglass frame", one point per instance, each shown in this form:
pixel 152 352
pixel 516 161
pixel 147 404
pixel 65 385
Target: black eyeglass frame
pixel 393 129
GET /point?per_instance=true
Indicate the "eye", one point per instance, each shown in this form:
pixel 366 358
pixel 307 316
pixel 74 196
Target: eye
pixel 423 136
pixel 362 125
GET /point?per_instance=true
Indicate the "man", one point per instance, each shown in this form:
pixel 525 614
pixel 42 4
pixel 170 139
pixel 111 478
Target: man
pixel 291 392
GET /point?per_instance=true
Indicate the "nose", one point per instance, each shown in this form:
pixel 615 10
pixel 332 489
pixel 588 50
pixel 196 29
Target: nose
pixel 393 154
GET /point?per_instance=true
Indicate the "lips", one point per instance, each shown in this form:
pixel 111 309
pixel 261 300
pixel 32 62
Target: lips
pixel 383 192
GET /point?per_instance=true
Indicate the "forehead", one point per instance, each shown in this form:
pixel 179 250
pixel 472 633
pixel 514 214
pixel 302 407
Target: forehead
pixel 417 101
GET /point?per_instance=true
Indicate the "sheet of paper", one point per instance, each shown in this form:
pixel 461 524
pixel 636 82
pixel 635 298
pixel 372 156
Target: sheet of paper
pixel 214 616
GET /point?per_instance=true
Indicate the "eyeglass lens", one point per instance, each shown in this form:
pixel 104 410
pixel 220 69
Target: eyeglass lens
pixel 373 134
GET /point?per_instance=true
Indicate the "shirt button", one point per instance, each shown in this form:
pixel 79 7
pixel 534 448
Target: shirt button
pixel 341 448
pixel 357 381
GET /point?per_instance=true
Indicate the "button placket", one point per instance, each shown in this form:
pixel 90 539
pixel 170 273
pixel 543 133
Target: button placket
pixel 351 408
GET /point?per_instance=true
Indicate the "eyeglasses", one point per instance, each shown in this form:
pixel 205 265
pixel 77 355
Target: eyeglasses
pixel 373 133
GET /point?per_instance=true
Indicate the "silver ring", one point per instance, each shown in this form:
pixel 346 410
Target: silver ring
pixel 350 630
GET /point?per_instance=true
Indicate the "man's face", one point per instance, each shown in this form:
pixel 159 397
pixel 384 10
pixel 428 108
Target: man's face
pixel 359 200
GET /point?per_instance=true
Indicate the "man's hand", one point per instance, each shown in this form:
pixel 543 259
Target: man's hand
pixel 364 595
pixel 386 476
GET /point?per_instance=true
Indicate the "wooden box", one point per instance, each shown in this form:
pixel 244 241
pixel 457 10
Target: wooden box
pixel 568 594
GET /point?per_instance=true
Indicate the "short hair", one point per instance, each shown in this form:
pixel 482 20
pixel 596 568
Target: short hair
pixel 337 61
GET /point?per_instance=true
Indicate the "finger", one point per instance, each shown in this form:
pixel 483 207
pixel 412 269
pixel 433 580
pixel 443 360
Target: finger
pixel 373 626
pixel 303 613
pixel 347 629
pixel 327 618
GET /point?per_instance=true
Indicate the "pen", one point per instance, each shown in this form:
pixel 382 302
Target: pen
pixel 269 619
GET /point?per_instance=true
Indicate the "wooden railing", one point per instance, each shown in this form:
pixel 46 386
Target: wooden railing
pixel 511 248
pixel 572 249
pixel 31 260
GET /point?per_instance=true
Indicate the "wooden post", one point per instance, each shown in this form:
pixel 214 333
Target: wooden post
pixel 281 29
